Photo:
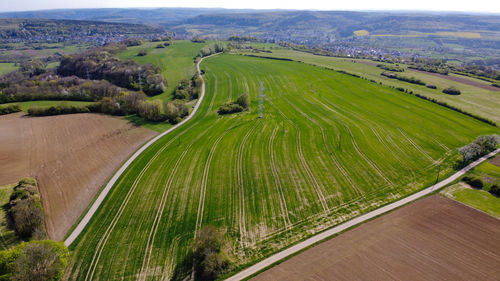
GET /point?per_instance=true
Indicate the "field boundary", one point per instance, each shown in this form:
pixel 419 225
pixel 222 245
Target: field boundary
pixel 104 192
pixel 268 262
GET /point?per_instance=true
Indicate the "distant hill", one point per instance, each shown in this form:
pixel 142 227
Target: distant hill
pixel 50 30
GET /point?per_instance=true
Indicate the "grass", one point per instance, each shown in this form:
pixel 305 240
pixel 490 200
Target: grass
pixel 480 199
pixel 25 105
pixel 156 126
pixel 6 67
pixel 475 100
pixel 176 61
pixel 8 237
pixel 329 147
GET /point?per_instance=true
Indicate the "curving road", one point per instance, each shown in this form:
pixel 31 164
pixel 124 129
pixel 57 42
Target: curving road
pixel 85 220
pixel 319 237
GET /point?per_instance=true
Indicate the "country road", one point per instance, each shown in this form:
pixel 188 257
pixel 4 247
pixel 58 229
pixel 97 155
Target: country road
pixel 246 273
pixel 85 220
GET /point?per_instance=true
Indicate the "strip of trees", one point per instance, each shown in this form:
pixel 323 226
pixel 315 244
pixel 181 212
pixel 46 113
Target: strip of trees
pixel 11 108
pixel 481 146
pixel 412 80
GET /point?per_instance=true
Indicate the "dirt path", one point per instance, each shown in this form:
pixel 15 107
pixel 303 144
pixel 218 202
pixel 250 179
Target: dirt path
pixel 85 220
pixel 344 226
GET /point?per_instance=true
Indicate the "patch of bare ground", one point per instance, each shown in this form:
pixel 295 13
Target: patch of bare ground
pixel 458 79
pixel 495 161
pixel 71 156
pixel 431 239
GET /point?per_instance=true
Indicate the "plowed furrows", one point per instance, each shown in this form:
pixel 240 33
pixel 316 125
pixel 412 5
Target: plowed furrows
pixel 204 180
pixel 276 176
pixel 159 213
pixel 417 147
pixel 241 184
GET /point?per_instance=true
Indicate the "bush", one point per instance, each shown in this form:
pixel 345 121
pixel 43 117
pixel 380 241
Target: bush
pixel 495 190
pixel 239 105
pixel 431 86
pixel 481 146
pixel 244 101
pixel 160 46
pixel 142 53
pixel 35 260
pixel 210 261
pixel 25 211
pixel 451 91
pixel 11 108
pixel 476 183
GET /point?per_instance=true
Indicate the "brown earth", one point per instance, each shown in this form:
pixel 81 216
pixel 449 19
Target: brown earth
pixel 495 161
pixel 71 156
pixel 431 239
pixel 462 80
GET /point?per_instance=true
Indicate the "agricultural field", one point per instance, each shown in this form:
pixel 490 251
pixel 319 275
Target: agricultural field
pixel 71 156
pixel 478 97
pixel 176 61
pixel 479 198
pixel 431 239
pixel 329 147
pixel 6 67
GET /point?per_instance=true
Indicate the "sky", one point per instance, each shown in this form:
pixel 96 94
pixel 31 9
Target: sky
pixel 490 6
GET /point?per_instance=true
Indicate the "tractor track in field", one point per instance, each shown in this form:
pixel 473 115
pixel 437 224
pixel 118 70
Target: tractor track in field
pixel 274 170
pixel 204 180
pixel 416 146
pixel 241 184
pixel 267 262
pixel 159 213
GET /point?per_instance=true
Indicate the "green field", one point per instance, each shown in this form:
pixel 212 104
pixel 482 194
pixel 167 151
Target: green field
pixel 6 67
pixel 25 105
pixel 329 147
pixel 8 237
pixel 475 100
pixel 176 61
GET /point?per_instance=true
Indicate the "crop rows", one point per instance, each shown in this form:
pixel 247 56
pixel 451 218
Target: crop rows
pixel 328 147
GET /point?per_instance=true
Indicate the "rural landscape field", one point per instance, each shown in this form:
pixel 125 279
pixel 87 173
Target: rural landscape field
pixel 237 144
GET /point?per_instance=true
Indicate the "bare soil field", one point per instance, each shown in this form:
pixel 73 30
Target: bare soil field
pixel 71 156
pixel 495 161
pixel 432 239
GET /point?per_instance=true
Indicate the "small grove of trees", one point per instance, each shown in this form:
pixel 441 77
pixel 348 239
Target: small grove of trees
pixel 212 49
pixel 57 110
pixel 394 68
pixel 481 146
pixel 171 111
pixel 36 260
pixel 474 182
pixel 99 64
pixel 495 190
pixel 11 108
pixel 25 211
pixel 210 258
pixel 241 104
pixel 451 91
pixel 188 89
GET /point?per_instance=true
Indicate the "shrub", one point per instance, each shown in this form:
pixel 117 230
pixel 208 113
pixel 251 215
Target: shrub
pixel 11 108
pixel 451 91
pixel 160 46
pixel 481 146
pixel 142 53
pixel 25 210
pixel 210 261
pixel 229 107
pixel 431 86
pixel 35 260
pixel 57 110
pixel 244 100
pixel 476 183
pixel 495 190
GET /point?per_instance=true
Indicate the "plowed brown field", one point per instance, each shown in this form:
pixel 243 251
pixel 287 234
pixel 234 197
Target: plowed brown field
pixel 71 156
pixel 432 239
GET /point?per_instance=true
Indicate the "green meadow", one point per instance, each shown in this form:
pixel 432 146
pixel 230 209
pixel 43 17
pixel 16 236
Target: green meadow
pixel 328 148
pixel 479 101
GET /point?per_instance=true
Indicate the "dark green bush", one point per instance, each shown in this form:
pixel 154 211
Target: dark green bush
pixel 495 190
pixel 452 91
pixel 11 108
pixel 431 86
pixel 57 110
